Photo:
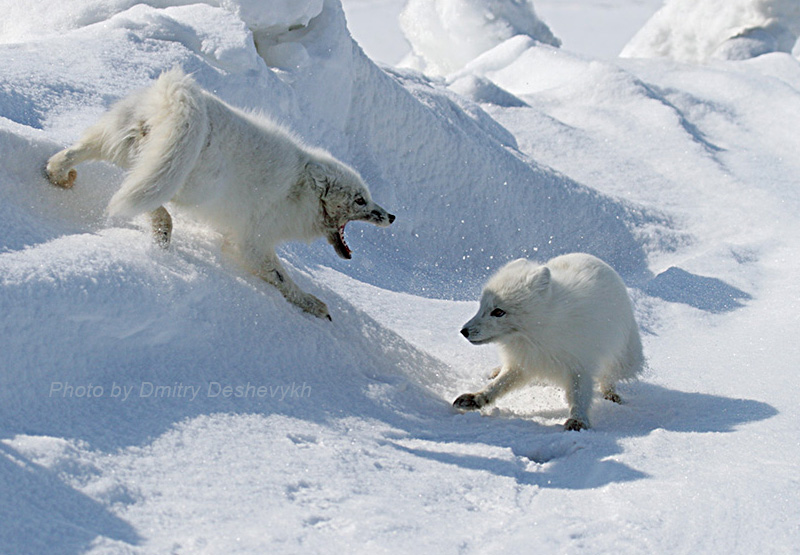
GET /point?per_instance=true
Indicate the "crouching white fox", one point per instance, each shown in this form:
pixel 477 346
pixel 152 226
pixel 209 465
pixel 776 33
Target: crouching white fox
pixel 569 322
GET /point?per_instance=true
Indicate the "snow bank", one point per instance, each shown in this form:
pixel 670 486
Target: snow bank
pixel 466 199
pixel 23 21
pixel 270 25
pixel 162 402
pixel 696 31
pixel 446 34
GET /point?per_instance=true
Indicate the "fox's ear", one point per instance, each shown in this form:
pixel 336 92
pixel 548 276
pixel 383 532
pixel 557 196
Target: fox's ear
pixel 313 177
pixel 538 279
pixel 318 176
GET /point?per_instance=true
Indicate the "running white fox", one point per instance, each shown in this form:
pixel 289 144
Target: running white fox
pixel 244 175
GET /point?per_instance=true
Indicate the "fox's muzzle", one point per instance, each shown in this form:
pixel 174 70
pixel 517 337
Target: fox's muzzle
pixel 380 217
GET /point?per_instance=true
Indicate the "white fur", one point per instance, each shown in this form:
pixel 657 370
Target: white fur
pixel 569 322
pixel 243 175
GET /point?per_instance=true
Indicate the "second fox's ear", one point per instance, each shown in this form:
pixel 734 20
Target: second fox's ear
pixel 539 279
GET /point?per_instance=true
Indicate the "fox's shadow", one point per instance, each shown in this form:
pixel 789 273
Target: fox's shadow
pixel 46 512
pixel 549 457
pixel 705 293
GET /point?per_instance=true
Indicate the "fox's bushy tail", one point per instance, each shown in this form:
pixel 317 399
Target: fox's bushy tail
pixel 176 124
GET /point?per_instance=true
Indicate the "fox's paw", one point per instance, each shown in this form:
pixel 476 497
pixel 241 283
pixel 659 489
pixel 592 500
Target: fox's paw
pixel 161 225
pixel 58 171
pixel 162 236
pixel 613 397
pixel 59 179
pixel 575 425
pixel 314 306
pixel 469 401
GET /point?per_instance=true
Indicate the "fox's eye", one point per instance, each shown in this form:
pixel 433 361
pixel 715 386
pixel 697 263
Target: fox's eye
pixel 498 313
pixel 360 201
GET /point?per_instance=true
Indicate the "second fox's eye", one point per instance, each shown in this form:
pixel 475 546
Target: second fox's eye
pixel 498 313
pixel 360 201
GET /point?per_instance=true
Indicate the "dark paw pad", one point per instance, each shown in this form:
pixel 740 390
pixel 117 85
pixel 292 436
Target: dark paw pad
pixel 467 401
pixel 64 182
pixel 72 175
pixel 575 425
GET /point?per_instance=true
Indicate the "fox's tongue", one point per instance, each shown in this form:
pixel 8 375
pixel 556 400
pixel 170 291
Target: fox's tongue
pixel 336 238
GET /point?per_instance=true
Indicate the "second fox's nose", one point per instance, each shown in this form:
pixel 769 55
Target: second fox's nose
pixel 465 333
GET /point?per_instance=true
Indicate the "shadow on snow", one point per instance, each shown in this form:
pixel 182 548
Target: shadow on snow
pixel 581 460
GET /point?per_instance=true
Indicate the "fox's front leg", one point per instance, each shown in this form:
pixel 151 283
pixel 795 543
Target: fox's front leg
pixel 271 270
pixel 507 378
pixel 579 398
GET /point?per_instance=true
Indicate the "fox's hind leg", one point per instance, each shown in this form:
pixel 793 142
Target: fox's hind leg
pixel 60 167
pixel 161 223
pixel 626 366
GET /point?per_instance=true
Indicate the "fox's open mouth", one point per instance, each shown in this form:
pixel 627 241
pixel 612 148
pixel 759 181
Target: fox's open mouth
pixel 336 238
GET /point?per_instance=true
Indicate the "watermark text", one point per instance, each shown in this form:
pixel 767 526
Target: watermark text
pixel 179 390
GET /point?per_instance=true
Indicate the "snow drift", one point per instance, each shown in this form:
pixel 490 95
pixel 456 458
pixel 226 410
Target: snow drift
pixel 163 402
pixel 446 34
pixel 23 21
pixel 429 155
pixel 696 31
pixel 467 200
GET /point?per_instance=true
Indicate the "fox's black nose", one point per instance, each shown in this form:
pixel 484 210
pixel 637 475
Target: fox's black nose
pixel 391 218
pixel 465 333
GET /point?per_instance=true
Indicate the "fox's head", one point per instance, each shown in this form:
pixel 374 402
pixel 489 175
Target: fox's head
pixel 510 299
pixel 344 198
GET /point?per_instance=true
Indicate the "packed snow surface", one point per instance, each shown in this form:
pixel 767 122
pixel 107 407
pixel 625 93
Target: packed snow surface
pixel 446 34
pixel 695 31
pixel 168 402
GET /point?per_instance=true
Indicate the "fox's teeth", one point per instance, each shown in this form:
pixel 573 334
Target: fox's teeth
pixel 341 236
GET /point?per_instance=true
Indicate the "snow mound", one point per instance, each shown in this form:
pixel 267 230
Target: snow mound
pixel 25 20
pixel 282 15
pixel 168 402
pixel 466 199
pixel 696 31
pixel 446 34
pixel 484 91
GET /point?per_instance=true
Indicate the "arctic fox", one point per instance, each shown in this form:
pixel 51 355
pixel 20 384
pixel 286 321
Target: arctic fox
pixel 569 322
pixel 244 175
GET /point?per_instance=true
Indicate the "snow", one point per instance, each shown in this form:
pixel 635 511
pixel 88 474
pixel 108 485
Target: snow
pixel 375 26
pixel 692 31
pixel 596 27
pixel 446 34
pixel 169 402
